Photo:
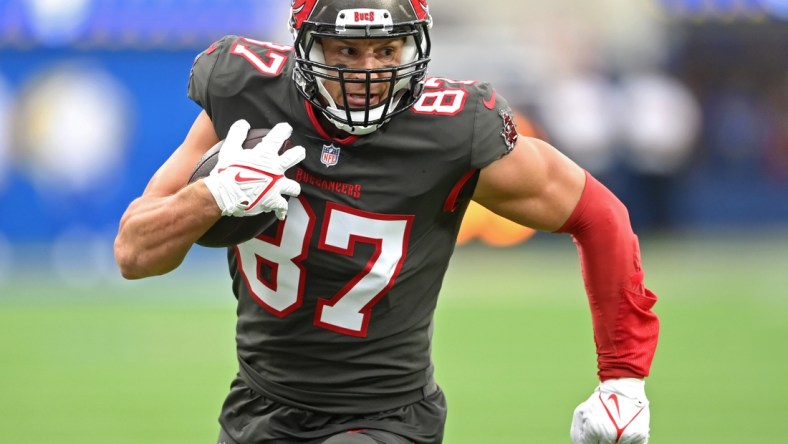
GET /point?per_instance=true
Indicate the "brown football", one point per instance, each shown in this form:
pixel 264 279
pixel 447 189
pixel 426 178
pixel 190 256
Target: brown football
pixel 228 230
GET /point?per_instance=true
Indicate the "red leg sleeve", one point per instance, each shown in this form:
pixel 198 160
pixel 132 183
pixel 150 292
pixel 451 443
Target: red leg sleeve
pixel 625 328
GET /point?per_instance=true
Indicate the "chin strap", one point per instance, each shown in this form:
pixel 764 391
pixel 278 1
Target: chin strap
pixel 625 328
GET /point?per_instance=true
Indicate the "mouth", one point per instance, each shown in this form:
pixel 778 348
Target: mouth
pixel 359 101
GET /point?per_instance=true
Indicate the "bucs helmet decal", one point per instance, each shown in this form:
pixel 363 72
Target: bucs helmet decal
pixel 300 10
pixel 421 9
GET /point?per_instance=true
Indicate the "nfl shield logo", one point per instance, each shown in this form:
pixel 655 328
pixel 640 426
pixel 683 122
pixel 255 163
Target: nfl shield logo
pixel 330 155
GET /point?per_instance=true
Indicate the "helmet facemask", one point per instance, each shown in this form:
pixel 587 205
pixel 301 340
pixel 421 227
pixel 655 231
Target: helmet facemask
pixel 405 81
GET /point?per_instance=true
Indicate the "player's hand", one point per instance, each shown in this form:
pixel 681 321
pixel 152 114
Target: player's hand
pixel 617 412
pixel 246 182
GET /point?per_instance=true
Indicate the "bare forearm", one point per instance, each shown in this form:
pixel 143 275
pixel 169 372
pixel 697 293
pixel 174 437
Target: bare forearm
pixel 156 232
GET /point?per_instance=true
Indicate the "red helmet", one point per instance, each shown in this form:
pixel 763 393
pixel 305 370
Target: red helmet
pixel 314 20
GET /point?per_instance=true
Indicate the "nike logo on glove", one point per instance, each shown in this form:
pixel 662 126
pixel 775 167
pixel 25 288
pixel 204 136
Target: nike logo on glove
pixel 619 428
pixel 490 104
pixel 239 178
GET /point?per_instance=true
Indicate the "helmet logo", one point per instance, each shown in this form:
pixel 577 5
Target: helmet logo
pixel 421 9
pixel 353 18
pixel 368 16
pixel 300 10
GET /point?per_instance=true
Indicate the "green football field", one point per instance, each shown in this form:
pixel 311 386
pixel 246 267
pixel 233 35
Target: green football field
pixel 150 361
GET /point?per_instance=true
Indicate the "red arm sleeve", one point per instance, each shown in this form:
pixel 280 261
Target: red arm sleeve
pixel 625 328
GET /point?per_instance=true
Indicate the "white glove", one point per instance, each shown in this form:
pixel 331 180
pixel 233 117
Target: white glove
pixel 617 412
pixel 246 182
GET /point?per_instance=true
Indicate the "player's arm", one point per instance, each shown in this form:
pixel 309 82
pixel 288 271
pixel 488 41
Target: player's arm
pixel 159 228
pixel 534 185
pixel 537 186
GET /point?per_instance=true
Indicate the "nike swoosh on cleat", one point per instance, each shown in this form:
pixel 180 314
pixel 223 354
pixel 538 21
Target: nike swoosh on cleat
pixel 490 104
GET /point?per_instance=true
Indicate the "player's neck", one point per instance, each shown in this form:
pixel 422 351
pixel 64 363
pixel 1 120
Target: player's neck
pixel 325 128
pixel 330 128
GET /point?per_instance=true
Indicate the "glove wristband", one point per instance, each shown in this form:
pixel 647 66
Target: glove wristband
pixel 630 387
pixel 227 201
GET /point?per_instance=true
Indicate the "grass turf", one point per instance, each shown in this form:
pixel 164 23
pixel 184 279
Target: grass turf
pixel 151 361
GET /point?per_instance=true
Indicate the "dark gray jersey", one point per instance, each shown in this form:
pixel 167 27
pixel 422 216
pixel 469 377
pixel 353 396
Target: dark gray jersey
pixel 335 304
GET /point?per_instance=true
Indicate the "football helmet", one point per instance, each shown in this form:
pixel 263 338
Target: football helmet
pixel 311 21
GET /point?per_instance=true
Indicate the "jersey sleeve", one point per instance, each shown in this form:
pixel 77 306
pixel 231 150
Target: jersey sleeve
pixel 494 132
pixel 202 72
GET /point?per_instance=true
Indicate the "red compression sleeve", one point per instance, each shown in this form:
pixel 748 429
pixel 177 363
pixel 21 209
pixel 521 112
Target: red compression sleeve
pixel 625 328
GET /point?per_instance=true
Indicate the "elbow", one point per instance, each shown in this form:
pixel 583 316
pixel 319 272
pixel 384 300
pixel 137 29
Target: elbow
pixel 126 255
pixel 597 209
pixel 130 273
pixel 139 254
pixel 132 262
pixel 127 260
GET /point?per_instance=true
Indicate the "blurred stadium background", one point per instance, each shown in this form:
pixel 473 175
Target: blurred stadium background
pixel 680 106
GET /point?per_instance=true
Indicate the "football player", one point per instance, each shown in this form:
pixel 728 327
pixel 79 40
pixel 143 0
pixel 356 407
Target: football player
pixel 336 300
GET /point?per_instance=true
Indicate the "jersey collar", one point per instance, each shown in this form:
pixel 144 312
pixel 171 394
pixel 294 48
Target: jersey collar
pixel 310 111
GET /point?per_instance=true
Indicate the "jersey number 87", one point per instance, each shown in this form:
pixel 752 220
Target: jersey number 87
pixel 349 310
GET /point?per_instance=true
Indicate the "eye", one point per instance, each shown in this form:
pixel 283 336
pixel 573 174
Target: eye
pixel 390 50
pixel 347 51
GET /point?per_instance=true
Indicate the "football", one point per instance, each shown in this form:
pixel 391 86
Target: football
pixel 228 230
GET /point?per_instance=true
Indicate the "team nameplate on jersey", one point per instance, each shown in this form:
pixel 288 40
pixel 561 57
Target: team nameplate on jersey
pixel 330 155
